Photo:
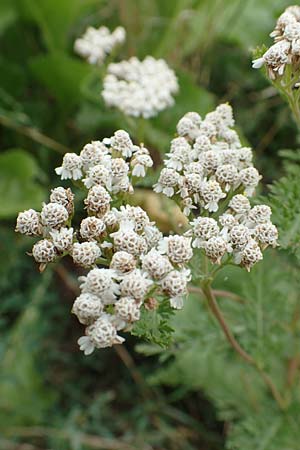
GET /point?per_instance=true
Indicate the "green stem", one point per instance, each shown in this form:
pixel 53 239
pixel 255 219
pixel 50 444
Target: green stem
pixel 214 307
pixel 34 134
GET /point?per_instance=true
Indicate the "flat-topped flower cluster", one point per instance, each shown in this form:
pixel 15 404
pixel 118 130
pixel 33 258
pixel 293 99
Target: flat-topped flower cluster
pixel 211 175
pixel 140 88
pixel 97 43
pixel 286 47
pixel 137 88
pixel 130 261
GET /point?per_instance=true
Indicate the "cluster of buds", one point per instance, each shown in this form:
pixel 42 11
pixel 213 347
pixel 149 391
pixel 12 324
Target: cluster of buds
pixel 286 47
pixel 96 44
pixel 211 176
pixel 140 88
pixel 129 261
pixel 141 265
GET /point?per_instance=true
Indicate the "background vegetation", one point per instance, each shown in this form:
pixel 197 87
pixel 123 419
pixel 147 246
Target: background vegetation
pixel 197 394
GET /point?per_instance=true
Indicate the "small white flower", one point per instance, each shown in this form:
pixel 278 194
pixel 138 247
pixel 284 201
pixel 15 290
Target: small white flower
pixel 87 307
pixel 98 201
pixel 126 239
pixel 266 234
pixel 240 205
pixel 156 264
pixel 259 214
pixel 44 251
pixel 135 284
pixel 98 175
pixel 92 228
pixel 28 222
pixel 86 253
pixel 54 215
pixel 119 169
pixel 62 239
pixel 168 180
pixel 64 197
pixel 239 236
pixel 96 44
pixel 101 282
pixel 86 345
pixel 251 255
pixel 139 163
pixel 135 215
pixel 103 333
pixel 123 262
pixel 127 309
pixel 211 193
pixel 121 142
pixel 175 285
pixel 204 228
pixel 227 175
pixel 71 167
pixel 94 153
pixel 250 179
pixel 215 249
pixel 177 248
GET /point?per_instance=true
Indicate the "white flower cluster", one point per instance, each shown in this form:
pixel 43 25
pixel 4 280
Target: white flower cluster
pixel 96 44
pixel 141 264
pixel 140 88
pixel 51 224
pixel 105 170
pixel 286 47
pixel 208 171
pixel 129 259
pixel 106 165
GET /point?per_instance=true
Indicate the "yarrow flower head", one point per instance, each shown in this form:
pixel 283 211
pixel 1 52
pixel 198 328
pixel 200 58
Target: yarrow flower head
pixel 97 43
pixel 128 261
pixel 286 48
pixel 140 88
pixel 131 267
pixel 211 175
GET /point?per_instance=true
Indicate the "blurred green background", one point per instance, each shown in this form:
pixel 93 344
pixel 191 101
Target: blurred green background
pixel 197 395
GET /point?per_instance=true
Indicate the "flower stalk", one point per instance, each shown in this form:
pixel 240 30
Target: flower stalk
pixel 216 311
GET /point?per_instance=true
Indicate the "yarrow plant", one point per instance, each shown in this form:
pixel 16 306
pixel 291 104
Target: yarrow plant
pixel 140 88
pixel 282 59
pixel 211 176
pixel 96 44
pixel 136 88
pixel 130 262
pixel 132 269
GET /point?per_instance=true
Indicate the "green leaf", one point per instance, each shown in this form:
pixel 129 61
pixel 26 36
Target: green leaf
pixel 7 14
pixel 154 325
pixel 18 187
pixel 284 200
pixel 61 75
pixel 21 384
pixel 54 17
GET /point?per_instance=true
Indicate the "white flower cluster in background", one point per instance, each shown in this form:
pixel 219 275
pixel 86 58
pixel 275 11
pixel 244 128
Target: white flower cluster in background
pixel 286 47
pixel 129 260
pixel 211 175
pixel 97 43
pixel 140 88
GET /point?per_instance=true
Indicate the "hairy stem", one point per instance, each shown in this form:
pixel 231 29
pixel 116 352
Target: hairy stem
pixel 214 307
